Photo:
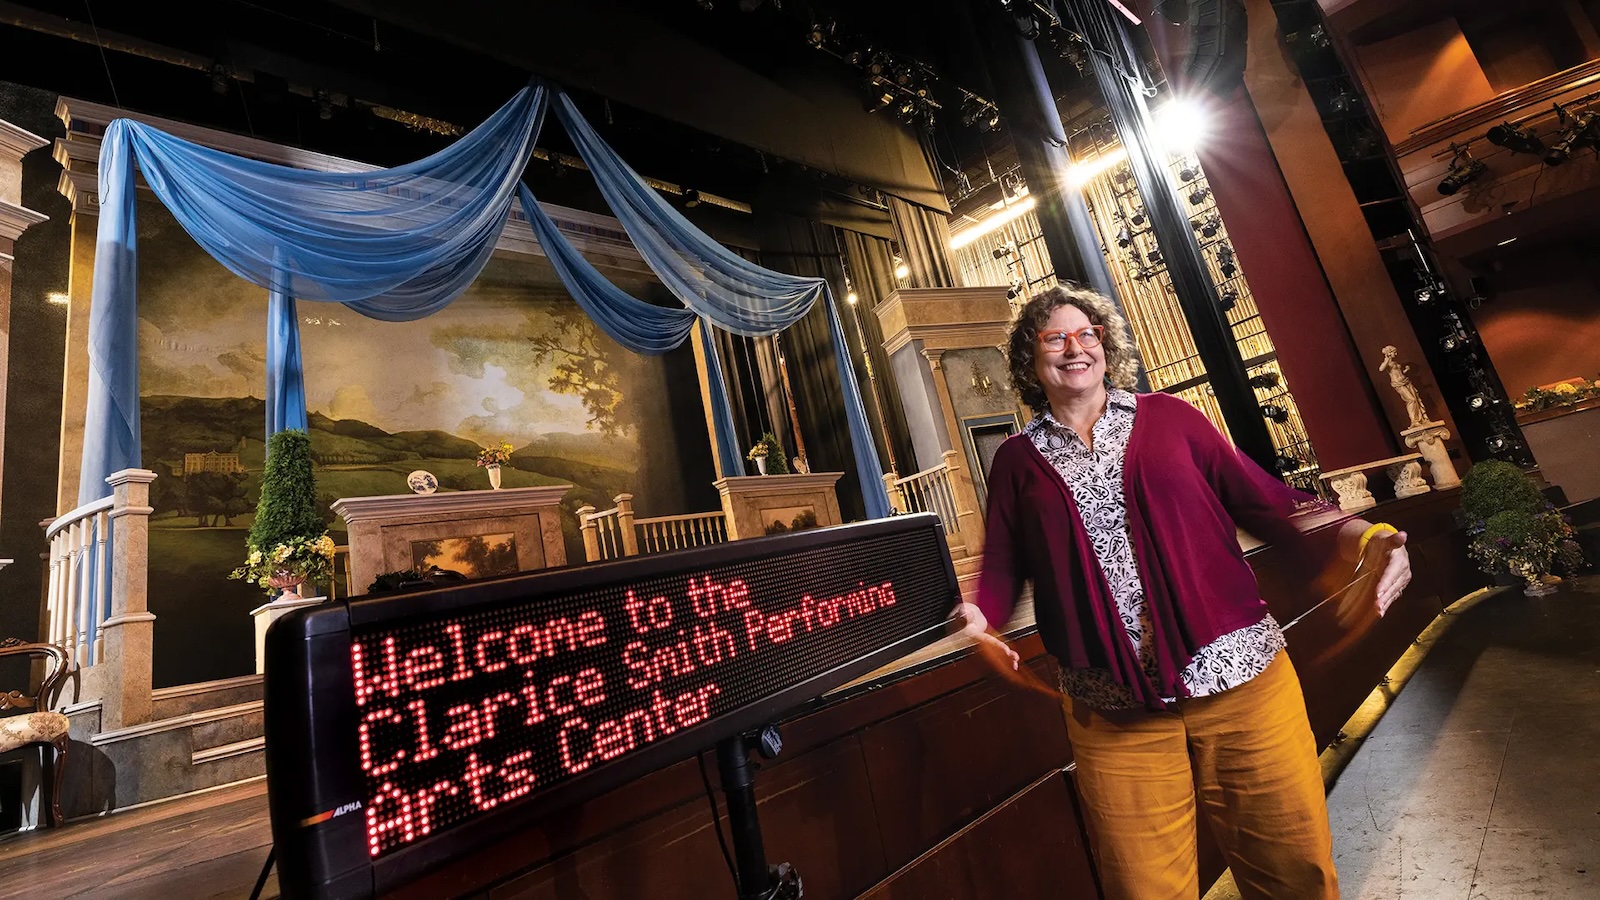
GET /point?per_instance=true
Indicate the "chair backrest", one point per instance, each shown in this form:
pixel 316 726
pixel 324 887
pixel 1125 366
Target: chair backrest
pixel 55 670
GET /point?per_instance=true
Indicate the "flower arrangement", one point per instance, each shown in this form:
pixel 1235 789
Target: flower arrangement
pixel 288 542
pixel 310 559
pixel 768 454
pixel 1514 530
pixel 1555 396
pixel 496 455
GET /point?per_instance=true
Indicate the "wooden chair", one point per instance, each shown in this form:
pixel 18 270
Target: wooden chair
pixel 38 725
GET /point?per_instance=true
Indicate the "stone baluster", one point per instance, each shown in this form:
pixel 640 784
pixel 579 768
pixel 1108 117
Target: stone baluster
pixel 125 685
pixel 630 535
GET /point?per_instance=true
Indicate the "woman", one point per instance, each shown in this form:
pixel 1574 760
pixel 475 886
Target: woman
pixel 1121 510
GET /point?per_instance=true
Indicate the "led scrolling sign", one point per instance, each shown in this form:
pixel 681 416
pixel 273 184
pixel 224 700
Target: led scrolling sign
pixel 443 717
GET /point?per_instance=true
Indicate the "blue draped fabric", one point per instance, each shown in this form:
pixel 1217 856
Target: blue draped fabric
pixel 721 408
pixel 732 292
pixel 639 326
pixel 399 244
pixel 394 244
pixel 286 383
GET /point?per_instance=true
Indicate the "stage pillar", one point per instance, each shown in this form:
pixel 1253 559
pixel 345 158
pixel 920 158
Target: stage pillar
pixel 15 218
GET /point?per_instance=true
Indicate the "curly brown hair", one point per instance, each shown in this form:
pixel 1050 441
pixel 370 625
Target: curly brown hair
pixel 1122 359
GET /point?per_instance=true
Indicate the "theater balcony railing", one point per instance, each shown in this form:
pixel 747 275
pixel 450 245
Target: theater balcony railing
pixel 614 533
pixel 1517 188
pixel 96 599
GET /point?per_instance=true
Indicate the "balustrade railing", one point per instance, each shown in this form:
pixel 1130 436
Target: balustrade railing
pixel 79 591
pixel 614 533
pixel 929 491
pixel 679 532
pixel 96 597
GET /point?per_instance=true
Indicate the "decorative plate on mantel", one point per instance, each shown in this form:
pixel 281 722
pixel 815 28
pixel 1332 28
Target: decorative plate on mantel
pixel 422 482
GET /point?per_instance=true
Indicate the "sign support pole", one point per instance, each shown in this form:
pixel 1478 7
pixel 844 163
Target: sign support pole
pixel 756 880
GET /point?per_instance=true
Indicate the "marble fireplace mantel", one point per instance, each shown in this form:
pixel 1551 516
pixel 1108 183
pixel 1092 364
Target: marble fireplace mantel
pixel 383 529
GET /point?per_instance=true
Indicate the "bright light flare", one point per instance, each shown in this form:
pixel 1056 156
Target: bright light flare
pixel 1182 124
pixel 992 222
pixel 58 298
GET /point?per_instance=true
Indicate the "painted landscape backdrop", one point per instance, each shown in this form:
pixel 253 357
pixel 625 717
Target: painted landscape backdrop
pixel 513 359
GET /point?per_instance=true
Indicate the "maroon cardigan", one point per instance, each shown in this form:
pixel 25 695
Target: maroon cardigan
pixel 1186 488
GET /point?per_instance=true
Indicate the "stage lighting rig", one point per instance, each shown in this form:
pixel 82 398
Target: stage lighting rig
pixel 1580 131
pixel 1463 171
pixel 820 32
pixel 1515 138
pixel 1209 226
pixel 1265 381
pixel 1199 195
pixel 1227 299
pixel 1124 237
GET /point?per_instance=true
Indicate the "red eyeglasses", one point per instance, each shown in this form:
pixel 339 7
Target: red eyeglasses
pixel 1056 341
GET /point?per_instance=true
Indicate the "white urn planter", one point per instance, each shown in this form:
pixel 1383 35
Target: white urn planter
pixel 494 476
pixel 267 613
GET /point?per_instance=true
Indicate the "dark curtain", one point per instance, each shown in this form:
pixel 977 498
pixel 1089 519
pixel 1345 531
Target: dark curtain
pixel 871 265
pixel 924 237
pixel 794 245
pixel 755 392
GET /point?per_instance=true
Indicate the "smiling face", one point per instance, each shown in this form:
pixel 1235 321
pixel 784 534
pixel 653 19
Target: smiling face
pixel 1073 373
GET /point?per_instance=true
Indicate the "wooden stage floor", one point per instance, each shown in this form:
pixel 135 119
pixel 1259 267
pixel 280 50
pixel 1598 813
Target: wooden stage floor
pixel 209 845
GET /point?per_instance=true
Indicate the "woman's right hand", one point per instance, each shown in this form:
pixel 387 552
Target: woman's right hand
pixel 975 625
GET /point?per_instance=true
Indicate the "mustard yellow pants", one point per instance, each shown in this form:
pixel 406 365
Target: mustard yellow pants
pixel 1246 755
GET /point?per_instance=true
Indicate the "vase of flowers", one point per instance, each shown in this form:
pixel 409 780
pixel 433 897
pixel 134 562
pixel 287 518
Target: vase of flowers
pixel 491 458
pixel 1514 530
pixel 767 454
pixel 283 568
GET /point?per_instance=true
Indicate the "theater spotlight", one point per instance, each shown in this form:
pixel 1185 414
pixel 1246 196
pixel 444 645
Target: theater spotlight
pixel 691 198
pixel 819 33
pixel 1209 226
pixel 1498 443
pixel 1288 463
pixel 1199 195
pixel 1227 299
pixel 1477 401
pixel 1124 237
pixel 1429 293
pixel 1002 252
pixel 1138 216
pixel 1154 257
pixel 1453 342
pixel 1265 381
pixel 1225 261
pixel 1463 171
pixel 1188 173
pixel 1583 132
pixel 1275 413
pixel 1517 140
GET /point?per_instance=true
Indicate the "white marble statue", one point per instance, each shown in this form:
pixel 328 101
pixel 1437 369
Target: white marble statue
pixel 1403 386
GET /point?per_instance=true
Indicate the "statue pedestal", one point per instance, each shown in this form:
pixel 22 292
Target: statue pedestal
pixel 757 505
pixel 1428 439
pixel 385 531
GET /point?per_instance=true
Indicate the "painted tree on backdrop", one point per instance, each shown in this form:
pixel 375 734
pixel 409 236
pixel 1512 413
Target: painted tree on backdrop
pixel 584 368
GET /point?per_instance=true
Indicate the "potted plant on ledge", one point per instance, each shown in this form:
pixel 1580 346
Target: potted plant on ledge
pixel 767 454
pixel 1515 531
pixel 492 458
pixel 288 545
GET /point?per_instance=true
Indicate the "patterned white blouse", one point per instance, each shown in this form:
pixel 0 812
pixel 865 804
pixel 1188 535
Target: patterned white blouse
pixel 1095 480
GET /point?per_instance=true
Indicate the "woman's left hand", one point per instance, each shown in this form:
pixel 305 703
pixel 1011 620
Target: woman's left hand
pixel 1389 551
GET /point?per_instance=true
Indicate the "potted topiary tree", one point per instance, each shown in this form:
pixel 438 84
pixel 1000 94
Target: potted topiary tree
pixel 288 544
pixel 1515 532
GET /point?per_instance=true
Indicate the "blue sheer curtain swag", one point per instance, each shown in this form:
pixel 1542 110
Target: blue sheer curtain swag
pixel 394 244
